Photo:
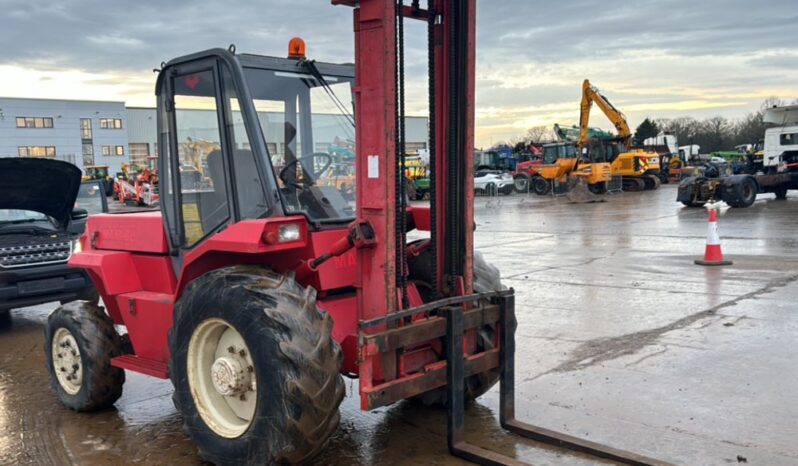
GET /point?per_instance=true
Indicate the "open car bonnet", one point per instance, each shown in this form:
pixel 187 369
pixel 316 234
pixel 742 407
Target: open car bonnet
pixel 46 186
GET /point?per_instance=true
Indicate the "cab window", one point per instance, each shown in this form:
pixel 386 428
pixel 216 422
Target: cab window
pixel 203 176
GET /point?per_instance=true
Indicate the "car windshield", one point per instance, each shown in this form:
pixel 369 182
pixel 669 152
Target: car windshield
pixel 90 198
pixel 20 216
pixel 308 125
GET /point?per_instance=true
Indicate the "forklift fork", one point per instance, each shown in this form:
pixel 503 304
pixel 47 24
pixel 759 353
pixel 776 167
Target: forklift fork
pixel 455 377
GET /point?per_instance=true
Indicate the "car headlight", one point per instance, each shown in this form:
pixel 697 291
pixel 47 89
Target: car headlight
pixel 76 247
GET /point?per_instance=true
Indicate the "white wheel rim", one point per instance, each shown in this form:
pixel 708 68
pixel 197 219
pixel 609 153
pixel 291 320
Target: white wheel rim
pixel 221 377
pixel 67 363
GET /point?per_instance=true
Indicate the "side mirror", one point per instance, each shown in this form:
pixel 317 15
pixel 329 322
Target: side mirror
pixel 79 213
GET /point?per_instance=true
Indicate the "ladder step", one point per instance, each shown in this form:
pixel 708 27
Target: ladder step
pixel 145 366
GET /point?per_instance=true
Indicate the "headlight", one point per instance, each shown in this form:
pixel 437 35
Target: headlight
pixel 289 232
pixel 76 247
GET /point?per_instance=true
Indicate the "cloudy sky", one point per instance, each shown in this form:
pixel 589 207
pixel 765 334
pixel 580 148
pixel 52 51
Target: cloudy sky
pixel 651 58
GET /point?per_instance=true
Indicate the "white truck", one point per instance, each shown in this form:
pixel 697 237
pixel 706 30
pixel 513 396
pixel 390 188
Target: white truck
pixel 777 175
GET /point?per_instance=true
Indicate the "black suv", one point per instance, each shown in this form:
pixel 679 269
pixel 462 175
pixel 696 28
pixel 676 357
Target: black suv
pixel 39 230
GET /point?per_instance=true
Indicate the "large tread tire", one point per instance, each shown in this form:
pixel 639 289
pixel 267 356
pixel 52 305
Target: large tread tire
pixel 98 343
pixel 295 358
pixel 741 193
pixel 486 278
pixel 540 185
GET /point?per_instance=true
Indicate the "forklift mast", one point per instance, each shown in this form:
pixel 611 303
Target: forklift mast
pixel 378 26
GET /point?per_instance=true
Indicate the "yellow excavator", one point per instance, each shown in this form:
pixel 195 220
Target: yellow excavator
pixel 639 169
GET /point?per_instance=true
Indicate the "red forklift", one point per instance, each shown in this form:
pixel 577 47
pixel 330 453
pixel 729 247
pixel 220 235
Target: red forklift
pixel 259 292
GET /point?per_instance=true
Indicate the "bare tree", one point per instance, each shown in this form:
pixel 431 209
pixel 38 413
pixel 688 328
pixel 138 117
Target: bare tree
pixel 771 102
pixel 539 134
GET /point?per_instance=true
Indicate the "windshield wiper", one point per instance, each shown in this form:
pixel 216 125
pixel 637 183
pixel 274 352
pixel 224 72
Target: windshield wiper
pixel 326 86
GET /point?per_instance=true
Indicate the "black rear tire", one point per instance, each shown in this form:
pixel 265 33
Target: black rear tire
pixel 540 185
pixel 486 278
pixel 294 358
pixel 97 343
pixel 781 193
pixel 741 194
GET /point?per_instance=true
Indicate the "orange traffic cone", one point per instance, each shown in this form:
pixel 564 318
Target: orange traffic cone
pixel 713 255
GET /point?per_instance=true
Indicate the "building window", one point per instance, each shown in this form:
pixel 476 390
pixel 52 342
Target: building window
pixel 139 153
pixel 34 122
pixel 113 151
pixel 88 154
pixel 111 123
pixel 414 147
pixel 85 129
pixel 36 151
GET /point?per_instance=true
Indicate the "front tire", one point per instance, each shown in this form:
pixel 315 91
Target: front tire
pixel 80 341
pixel 281 404
pixel 521 183
pixel 781 193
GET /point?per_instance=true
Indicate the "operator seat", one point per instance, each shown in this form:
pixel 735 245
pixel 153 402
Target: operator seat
pixel 248 186
pixel 212 205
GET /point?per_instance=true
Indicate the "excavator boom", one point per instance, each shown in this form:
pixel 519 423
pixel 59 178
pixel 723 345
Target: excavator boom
pixel 591 94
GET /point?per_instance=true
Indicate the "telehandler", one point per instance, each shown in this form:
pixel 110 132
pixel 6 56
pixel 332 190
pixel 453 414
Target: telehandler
pixel 256 294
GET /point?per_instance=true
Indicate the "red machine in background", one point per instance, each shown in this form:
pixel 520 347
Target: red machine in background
pixel 256 291
pixel 138 187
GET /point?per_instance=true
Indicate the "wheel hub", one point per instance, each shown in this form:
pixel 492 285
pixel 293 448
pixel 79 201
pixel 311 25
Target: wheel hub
pixel 66 361
pixel 222 377
pixel 229 376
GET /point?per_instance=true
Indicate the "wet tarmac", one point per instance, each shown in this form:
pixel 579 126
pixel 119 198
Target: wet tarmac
pixel 621 340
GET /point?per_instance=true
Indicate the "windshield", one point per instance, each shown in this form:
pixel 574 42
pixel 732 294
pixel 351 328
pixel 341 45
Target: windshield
pixel 90 198
pixel 310 136
pixel 20 216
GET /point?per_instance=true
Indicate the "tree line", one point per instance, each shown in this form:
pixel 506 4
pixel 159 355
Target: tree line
pixel 712 134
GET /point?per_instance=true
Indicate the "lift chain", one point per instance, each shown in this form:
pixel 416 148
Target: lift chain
pixel 432 173
pixel 401 201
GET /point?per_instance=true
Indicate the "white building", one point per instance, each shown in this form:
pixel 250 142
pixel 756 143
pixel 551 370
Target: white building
pixel 107 133
pixel 77 131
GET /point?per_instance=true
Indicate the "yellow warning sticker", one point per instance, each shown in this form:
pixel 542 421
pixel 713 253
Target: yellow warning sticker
pixel 192 223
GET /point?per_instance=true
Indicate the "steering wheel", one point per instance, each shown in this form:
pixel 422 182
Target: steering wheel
pixel 310 174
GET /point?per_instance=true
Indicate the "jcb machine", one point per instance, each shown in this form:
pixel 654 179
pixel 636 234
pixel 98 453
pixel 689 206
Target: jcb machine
pixel 561 164
pixel 639 169
pixel 255 295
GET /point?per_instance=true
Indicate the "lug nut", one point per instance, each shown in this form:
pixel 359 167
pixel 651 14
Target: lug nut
pixel 242 353
pixel 75 366
pixel 250 369
pixel 243 397
pixel 231 350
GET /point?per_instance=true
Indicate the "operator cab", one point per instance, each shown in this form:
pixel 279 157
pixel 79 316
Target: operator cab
pixel 558 150
pixel 247 137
